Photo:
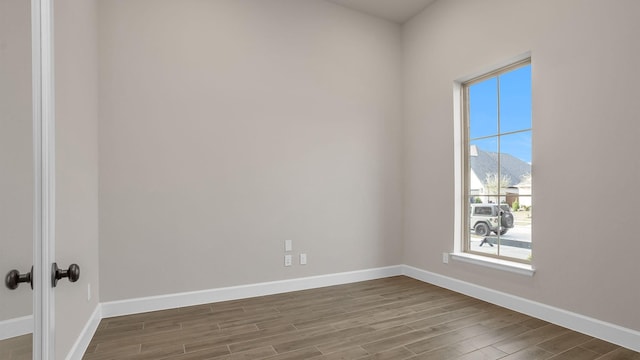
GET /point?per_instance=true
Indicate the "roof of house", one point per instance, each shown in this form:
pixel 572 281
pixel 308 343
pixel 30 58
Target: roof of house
pixel 485 163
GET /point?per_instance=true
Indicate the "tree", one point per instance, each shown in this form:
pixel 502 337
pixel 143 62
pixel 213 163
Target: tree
pixel 496 186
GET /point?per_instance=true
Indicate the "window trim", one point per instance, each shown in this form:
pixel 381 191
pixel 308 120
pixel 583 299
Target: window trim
pixel 494 263
pixel 461 164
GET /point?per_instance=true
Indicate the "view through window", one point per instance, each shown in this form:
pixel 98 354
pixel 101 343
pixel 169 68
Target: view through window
pixel 498 186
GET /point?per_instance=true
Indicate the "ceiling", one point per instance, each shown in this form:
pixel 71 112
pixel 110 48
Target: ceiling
pixel 397 11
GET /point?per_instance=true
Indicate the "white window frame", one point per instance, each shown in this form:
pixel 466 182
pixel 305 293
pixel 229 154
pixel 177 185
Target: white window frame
pixel 460 174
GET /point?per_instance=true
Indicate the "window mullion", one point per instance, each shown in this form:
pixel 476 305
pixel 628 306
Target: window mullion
pixel 499 180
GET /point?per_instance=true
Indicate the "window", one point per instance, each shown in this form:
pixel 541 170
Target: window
pixel 497 189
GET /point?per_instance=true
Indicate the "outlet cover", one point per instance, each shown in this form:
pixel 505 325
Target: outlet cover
pixel 445 258
pixel 288 245
pixel 303 259
pixel 287 260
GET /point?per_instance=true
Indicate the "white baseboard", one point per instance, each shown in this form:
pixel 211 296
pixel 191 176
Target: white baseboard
pixel 162 302
pixel 628 338
pixel 82 343
pixel 16 327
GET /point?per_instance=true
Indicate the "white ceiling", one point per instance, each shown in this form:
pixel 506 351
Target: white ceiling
pixel 397 11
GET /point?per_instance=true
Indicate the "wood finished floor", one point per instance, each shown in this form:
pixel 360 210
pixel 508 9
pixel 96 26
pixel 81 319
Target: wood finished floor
pixel 395 318
pixel 17 348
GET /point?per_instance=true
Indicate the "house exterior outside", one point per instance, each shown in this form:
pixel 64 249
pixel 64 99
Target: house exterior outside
pixel 515 177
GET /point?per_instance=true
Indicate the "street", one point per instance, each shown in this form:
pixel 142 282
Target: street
pixel 515 243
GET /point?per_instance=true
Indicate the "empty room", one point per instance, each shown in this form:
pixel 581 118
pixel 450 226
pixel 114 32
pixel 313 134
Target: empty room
pixel 319 179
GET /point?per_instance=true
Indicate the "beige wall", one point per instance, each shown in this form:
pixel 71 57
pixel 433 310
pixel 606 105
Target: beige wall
pixel 76 165
pixel 227 127
pixel 585 57
pixel 16 155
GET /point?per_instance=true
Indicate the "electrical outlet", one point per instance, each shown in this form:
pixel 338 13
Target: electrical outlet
pixel 287 260
pixel 287 245
pixel 445 258
pixel 303 259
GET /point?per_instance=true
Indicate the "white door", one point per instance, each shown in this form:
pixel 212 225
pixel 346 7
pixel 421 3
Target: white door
pixel 26 180
pixel 17 185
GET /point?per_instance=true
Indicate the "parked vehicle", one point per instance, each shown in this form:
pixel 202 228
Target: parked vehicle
pixel 487 218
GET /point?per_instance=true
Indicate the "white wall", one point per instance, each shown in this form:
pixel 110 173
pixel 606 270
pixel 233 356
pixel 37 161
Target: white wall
pixel 585 57
pixel 76 165
pixel 227 127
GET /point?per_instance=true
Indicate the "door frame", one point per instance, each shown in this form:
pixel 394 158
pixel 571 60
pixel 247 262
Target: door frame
pixel 44 178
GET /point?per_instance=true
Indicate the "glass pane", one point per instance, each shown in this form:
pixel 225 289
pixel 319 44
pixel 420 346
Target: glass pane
pixel 515 100
pixel 483 170
pixel 515 240
pixel 515 158
pixel 483 222
pixel 483 108
pixel 16 177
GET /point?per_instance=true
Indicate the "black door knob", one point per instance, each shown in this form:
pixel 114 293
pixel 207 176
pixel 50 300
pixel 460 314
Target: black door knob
pixel 14 278
pixel 72 273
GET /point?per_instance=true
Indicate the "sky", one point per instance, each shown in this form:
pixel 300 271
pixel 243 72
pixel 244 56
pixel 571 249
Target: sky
pixel 514 111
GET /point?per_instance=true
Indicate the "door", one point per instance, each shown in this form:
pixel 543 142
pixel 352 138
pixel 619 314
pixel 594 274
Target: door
pixel 26 186
pixel 17 174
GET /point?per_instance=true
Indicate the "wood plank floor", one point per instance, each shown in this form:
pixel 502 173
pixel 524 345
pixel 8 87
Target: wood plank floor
pixel 17 348
pixel 395 318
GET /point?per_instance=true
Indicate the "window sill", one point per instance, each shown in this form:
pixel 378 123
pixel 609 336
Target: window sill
pixel 505 265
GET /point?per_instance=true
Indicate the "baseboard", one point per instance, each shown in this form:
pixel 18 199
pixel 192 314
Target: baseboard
pixel 82 343
pixel 16 327
pixel 162 302
pixel 628 338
